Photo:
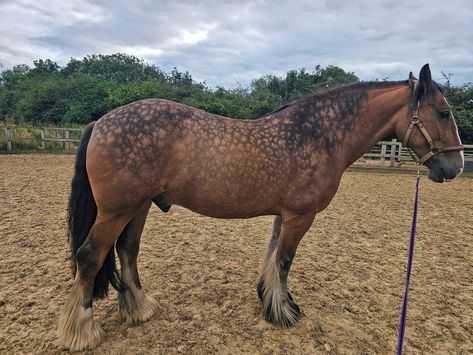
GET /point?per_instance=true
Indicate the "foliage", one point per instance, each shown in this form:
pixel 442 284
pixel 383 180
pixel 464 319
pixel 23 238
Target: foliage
pixel 271 91
pixel 119 67
pixel 461 99
pixel 83 90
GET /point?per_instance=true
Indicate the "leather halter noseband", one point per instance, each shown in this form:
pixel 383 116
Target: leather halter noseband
pixel 434 150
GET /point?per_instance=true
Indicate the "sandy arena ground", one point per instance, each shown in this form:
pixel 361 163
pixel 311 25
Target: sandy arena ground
pixel 347 277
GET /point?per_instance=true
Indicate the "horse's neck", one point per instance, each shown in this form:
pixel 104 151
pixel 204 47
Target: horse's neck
pixel 344 126
pixel 374 121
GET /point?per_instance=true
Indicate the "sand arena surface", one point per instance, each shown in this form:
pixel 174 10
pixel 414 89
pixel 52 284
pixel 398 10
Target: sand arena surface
pixel 347 277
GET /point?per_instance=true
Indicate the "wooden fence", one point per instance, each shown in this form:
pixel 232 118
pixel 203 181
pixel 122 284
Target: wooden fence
pixel 385 154
pixel 65 138
pixel 387 151
pixel 391 154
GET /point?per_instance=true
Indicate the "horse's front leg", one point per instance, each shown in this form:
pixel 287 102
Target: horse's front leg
pixel 278 306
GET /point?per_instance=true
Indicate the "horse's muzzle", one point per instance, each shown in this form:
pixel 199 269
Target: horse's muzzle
pixel 445 167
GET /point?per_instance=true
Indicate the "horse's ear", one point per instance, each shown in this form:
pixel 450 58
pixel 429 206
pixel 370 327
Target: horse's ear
pixel 425 78
pixel 425 85
pixel 412 80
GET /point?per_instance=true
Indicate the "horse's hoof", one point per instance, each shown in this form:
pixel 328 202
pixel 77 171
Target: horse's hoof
pixel 135 306
pixel 78 330
pixel 285 315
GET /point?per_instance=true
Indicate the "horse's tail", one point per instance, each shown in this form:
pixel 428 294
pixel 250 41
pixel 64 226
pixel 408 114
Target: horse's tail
pixel 82 212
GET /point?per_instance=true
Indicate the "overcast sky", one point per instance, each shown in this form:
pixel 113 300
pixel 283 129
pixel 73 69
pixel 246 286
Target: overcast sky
pixel 231 42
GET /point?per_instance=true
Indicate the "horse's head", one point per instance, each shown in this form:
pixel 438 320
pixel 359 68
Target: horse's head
pixel 430 130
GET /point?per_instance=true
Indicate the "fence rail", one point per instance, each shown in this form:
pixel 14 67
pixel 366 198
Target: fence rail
pixel 385 154
pixel 391 154
pixel 67 140
pixel 16 138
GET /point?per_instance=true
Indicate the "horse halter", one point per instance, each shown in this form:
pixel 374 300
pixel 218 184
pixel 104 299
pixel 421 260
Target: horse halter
pixel 434 150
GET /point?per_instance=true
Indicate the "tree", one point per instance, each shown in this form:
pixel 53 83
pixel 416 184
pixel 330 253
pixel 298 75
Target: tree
pixel 333 75
pixel 11 77
pixel 270 91
pixel 179 79
pixel 44 68
pixel 461 99
pixel 87 88
pixel 41 101
pixel 87 99
pixel 119 67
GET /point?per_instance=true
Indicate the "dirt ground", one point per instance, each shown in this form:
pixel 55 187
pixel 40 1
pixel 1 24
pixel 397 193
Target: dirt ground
pixel 347 277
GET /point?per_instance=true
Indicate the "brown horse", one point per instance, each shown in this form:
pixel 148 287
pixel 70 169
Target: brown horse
pixel 288 164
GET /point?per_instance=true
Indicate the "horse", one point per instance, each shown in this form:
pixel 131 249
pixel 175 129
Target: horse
pixel 288 164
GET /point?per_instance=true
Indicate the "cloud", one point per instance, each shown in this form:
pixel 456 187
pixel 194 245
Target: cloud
pixel 231 42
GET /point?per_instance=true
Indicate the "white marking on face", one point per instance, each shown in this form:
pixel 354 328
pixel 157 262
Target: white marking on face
pixel 456 131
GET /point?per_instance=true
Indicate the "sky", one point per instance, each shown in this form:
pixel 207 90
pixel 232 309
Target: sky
pixel 229 43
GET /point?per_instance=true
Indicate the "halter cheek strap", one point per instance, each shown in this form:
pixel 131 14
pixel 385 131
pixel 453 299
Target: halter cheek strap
pixel 434 150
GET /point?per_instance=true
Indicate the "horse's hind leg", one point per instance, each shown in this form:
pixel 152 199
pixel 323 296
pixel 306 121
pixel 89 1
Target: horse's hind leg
pixel 133 304
pixel 77 328
pixel 277 304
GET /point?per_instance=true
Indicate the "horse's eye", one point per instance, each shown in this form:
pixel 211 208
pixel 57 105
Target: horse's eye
pixel 444 115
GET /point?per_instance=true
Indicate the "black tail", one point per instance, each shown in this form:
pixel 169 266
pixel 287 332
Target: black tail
pixel 82 212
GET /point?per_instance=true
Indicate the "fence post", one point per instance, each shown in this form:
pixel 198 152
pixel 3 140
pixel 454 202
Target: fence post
pixel 8 137
pixel 399 155
pixel 67 143
pixel 392 155
pixel 383 155
pixel 43 136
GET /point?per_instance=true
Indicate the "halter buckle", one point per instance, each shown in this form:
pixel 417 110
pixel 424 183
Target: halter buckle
pixel 415 119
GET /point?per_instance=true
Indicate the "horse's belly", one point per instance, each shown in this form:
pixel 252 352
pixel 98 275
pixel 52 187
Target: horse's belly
pixel 220 203
pixel 226 213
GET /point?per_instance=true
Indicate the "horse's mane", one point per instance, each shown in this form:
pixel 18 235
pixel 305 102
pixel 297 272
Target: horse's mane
pixel 322 93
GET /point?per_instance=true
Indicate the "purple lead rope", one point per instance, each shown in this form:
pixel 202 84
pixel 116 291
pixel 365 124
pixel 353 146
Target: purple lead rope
pixel 402 325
